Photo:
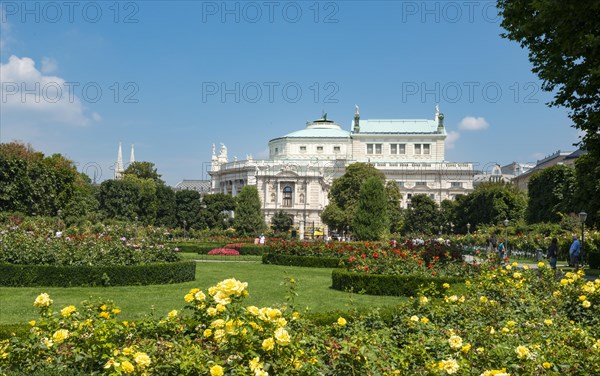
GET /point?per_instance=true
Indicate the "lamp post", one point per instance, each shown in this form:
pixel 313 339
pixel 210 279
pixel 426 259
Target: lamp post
pixel 506 236
pixel 468 229
pixel 582 218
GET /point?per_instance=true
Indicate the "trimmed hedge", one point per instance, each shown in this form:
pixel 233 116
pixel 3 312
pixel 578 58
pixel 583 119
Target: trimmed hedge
pixel 67 276
pixel 386 284
pixel 308 261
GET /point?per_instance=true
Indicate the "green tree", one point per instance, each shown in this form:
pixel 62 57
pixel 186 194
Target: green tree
pixel 490 204
pixel 216 209
pixel 447 214
pixel 343 196
pixel 83 205
pixel 394 209
pixel 147 204
pixel 421 216
pixel 282 222
pixel 119 199
pixel 166 209
pixel 588 188
pixel 31 183
pixel 371 218
pixel 550 192
pixel 189 208
pixel 249 220
pixel 563 39
pixel 144 170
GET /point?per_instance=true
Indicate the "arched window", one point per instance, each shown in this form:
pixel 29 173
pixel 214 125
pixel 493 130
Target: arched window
pixel 287 196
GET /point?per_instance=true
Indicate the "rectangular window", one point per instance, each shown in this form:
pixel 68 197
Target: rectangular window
pixel 276 150
pixel 401 148
pixel 432 196
pixel 302 148
pixel 456 184
pixel 336 149
pixel 393 148
pixel 426 148
pixel 377 148
pixel 421 183
pixel 319 148
pixel 369 148
pixel 418 149
pixel 400 183
pixel 409 196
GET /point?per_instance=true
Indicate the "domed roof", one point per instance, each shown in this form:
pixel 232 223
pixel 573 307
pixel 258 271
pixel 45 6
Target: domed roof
pixel 321 128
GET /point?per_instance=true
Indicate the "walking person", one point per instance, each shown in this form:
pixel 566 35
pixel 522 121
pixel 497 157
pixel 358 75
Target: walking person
pixel 574 252
pixel 501 250
pixel 553 253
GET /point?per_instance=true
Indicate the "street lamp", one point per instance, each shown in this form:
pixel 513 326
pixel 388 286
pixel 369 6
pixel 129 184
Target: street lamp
pixel 506 236
pixel 468 229
pixel 582 218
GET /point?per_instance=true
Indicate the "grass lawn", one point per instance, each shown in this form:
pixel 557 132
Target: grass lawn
pixel 264 284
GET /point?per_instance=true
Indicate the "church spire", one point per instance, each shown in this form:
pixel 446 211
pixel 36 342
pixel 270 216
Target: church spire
pixel 119 165
pixel 132 157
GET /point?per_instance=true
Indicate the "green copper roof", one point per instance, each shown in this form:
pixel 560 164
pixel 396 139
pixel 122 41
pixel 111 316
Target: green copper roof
pixel 398 126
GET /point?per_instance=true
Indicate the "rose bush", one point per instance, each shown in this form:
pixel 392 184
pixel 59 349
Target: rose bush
pixel 508 320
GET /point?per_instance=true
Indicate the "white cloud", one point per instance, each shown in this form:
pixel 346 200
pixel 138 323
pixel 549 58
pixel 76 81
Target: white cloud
pixel 451 139
pixel 49 65
pixel 471 123
pixel 30 97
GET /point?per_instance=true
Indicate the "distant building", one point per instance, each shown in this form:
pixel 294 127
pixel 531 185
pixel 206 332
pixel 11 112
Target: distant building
pixel 504 174
pixel 200 186
pixel 557 158
pixel 298 174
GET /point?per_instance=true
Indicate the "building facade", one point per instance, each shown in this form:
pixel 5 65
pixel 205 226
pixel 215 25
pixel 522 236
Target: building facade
pixel 302 165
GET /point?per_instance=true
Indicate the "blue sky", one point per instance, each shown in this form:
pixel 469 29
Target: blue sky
pixel 175 77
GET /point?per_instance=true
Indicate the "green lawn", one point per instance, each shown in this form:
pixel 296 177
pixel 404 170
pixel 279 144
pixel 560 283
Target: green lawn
pixel 265 287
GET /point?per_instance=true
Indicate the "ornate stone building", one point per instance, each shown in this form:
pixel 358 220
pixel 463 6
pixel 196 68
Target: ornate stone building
pixel 297 176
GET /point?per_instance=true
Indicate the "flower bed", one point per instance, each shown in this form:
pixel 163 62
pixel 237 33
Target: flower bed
pixel 224 252
pixel 505 321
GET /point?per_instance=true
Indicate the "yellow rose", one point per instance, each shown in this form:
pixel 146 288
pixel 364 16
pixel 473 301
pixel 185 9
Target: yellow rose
pixel 199 296
pixel 255 364
pixel 127 367
pixel 455 342
pixel 188 298
pixel 207 332
pixel 547 365
pixel 68 311
pixel 548 322
pixel 216 371
pixel 172 314
pixel 446 285
pixel 60 335
pixel 450 366
pixel 211 311
pixel 522 352
pixel 424 320
pixel 282 337
pixel 104 315
pixel 116 311
pixel 42 300
pixel 268 344
pixel 541 264
pixel 414 318
pixel 586 304
pixel 582 298
pixel 142 359
pixel 341 321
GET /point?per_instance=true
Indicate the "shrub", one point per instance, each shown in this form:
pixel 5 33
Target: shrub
pixel 594 260
pixel 381 284
pixel 85 275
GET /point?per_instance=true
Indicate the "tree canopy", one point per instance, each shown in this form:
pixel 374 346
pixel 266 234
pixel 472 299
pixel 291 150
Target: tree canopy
pixel 563 39
pixel 371 217
pixel 144 170
pixel 344 193
pixel 551 191
pixel 249 220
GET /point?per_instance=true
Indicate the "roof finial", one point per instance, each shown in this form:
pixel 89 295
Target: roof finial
pixel 356 111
